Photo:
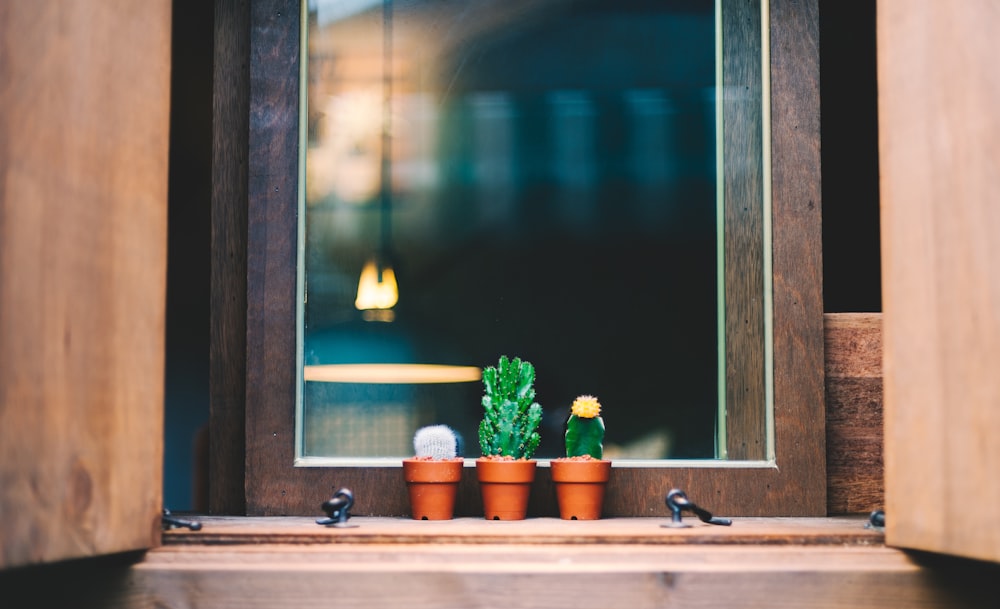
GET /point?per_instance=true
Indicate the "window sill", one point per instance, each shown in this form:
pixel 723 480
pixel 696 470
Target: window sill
pixel 543 562
pixel 229 530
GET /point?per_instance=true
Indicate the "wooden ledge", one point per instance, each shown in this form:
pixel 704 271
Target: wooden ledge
pixel 228 530
pixel 543 563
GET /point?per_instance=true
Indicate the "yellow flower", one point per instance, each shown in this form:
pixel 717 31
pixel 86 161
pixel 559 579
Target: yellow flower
pixel 586 407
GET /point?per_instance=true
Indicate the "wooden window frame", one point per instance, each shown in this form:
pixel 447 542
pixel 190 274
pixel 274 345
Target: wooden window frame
pixel 253 317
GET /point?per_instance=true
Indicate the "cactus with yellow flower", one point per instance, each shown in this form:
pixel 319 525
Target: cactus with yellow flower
pixel 585 428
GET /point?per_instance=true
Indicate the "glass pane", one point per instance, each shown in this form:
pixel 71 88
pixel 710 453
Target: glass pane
pixel 528 178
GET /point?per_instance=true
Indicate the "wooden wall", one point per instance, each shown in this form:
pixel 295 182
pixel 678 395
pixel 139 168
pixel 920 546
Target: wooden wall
pixel 854 466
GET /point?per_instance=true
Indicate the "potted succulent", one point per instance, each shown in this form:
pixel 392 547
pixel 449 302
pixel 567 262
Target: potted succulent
pixel 433 474
pixel 580 476
pixel 508 437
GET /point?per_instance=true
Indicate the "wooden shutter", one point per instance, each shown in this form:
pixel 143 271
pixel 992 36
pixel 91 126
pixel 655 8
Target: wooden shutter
pixel 939 129
pixel 84 102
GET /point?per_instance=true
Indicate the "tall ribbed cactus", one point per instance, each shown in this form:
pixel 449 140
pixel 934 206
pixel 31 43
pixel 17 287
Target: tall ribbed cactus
pixel 510 414
pixel 585 428
pixel 436 442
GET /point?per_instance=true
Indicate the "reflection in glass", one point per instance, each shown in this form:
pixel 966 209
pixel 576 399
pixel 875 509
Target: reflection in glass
pixel 541 179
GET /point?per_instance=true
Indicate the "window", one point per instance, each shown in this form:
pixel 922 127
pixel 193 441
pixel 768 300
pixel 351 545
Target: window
pixel 539 179
pixel 255 407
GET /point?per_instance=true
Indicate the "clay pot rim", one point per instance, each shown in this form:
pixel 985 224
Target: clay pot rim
pixel 581 470
pixel 433 470
pixel 506 470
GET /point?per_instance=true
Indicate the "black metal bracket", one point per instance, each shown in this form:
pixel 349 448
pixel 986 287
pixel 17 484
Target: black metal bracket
pixel 172 522
pixel 337 509
pixel 677 501
pixel 876 521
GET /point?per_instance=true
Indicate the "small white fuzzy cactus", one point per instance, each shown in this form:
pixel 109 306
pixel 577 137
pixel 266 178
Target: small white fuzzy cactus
pixel 436 442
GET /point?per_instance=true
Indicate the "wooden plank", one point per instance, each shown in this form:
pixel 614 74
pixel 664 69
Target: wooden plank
pixel 938 133
pixel 549 577
pixel 546 576
pixel 271 246
pixel 799 410
pixel 477 531
pixel 552 577
pixel 743 234
pixel 228 323
pixel 854 459
pixel 854 466
pixel 84 118
pixel 853 345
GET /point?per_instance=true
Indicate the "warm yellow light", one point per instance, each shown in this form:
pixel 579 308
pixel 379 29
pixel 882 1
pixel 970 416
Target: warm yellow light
pixel 403 374
pixel 374 293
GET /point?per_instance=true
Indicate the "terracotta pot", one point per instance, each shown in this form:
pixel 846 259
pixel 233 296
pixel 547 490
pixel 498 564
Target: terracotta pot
pixel 580 487
pixel 433 486
pixel 505 487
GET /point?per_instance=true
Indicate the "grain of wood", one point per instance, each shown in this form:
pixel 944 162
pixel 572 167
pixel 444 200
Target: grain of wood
pixel 252 530
pixel 84 118
pixel 743 233
pixel 854 465
pixel 228 299
pixel 552 577
pixel 938 134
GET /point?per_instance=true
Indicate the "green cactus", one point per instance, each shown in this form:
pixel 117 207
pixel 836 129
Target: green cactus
pixel 585 429
pixel 511 416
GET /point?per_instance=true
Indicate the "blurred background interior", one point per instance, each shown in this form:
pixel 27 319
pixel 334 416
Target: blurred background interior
pixel 540 178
